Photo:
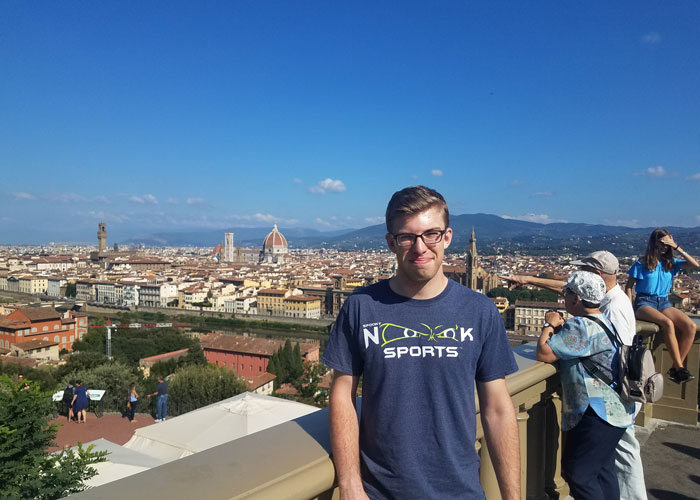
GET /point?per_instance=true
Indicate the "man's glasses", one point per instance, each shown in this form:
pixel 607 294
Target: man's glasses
pixel 430 237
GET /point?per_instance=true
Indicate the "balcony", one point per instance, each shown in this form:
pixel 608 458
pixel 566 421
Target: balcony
pixel 291 461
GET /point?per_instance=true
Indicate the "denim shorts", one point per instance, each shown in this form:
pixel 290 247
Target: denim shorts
pixel 653 301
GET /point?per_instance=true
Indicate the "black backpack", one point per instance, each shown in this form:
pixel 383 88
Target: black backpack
pixel 68 394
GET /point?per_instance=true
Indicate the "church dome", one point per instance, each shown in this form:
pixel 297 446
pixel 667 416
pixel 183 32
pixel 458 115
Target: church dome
pixel 274 241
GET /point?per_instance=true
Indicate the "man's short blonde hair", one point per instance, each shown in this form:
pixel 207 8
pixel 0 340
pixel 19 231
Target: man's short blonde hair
pixel 413 200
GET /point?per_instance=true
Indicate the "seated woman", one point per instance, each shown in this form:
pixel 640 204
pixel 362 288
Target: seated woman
pixel 594 417
pixel 651 277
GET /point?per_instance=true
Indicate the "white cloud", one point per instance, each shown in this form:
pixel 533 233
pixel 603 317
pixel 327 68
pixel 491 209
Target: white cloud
pixel 375 220
pixel 328 185
pixel 517 182
pixel 322 222
pixel 195 201
pixel 436 172
pixel 265 217
pixel 23 196
pixel 148 199
pixel 694 177
pixel 101 199
pixel 623 222
pixel 173 201
pixel 656 171
pixel 540 218
pixel 651 38
pixel 105 216
pixel 697 218
pixel 542 194
pixel 66 197
pixel 297 180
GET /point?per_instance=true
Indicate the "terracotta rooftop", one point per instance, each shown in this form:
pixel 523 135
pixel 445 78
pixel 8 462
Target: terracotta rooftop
pixel 248 345
pixel 40 313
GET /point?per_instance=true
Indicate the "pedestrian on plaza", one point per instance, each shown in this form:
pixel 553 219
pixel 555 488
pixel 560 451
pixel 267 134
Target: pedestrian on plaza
pixel 162 400
pixel 594 416
pixel 651 277
pixel 132 402
pixel 422 344
pixel 68 393
pixel 80 401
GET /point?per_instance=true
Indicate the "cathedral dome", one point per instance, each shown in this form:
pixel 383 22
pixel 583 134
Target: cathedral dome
pixel 274 241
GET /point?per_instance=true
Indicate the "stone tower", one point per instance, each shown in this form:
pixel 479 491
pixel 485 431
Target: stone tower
pixel 228 248
pixel 101 237
pixel 472 263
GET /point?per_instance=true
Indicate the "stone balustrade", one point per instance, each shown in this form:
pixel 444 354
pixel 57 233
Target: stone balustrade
pixel 291 461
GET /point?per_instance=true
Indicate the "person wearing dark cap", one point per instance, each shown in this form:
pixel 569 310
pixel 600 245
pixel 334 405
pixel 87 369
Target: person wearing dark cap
pixel 594 416
pixel 617 307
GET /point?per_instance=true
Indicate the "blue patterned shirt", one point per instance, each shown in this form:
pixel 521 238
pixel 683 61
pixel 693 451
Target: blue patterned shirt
pixel 580 337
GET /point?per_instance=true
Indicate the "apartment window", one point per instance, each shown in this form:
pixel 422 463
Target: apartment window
pixel 251 368
pixel 259 368
pixel 44 329
pixel 34 329
pixel 55 327
pixel 71 338
pixel 46 348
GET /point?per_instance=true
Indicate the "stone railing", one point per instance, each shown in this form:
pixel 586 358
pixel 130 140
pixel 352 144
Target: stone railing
pixel 291 460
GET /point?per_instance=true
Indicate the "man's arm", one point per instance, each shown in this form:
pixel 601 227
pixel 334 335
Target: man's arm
pixel 345 436
pixel 521 279
pixel 501 432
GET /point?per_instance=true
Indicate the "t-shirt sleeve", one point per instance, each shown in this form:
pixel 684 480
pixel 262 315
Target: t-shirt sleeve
pixel 572 341
pixel 496 359
pixel 636 270
pixel 342 352
pixel 677 266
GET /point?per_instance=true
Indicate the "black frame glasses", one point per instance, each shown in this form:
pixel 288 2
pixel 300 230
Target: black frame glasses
pixel 429 237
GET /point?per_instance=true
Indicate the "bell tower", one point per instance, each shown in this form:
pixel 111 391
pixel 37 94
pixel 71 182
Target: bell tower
pixel 101 237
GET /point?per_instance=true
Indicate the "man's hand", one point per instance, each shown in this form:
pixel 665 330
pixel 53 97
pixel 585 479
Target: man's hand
pixel 554 318
pixel 515 281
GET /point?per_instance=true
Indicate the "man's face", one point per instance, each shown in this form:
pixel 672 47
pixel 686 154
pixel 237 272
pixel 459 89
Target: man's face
pixel 419 262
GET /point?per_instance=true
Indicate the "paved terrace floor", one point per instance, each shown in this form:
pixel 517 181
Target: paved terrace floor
pixel 670 452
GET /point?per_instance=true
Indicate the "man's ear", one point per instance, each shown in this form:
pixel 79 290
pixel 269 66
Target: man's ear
pixel 390 242
pixel 447 238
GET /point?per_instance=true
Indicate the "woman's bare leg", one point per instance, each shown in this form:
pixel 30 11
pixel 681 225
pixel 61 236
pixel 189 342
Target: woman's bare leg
pixel 650 314
pixel 685 330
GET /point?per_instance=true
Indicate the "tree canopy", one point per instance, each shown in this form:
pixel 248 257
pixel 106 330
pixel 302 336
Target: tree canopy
pixel 28 470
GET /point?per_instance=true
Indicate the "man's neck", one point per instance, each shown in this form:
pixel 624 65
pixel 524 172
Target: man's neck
pixel 421 290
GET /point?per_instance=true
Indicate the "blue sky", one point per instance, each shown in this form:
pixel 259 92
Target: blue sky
pixel 174 116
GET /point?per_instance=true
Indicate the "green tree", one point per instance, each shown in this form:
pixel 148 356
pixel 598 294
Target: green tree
pixel 195 386
pixel 28 470
pixel 71 290
pixel 307 384
pixel 114 377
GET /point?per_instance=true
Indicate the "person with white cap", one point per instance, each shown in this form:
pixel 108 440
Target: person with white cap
pixel 617 307
pixel 594 416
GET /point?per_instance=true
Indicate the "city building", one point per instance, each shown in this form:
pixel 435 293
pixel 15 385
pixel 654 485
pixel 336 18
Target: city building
pixel 248 356
pixel 477 278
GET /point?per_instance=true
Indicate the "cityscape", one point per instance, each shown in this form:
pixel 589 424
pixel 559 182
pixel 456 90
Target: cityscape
pixel 193 209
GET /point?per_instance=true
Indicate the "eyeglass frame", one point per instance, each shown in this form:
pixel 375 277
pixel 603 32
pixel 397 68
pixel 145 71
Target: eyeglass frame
pixel 414 237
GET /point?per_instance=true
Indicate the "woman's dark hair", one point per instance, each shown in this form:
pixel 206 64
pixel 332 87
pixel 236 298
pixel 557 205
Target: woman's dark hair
pixel 658 252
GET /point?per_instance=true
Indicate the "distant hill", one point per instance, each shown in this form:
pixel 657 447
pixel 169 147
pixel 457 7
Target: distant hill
pixel 494 234
pixel 243 236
